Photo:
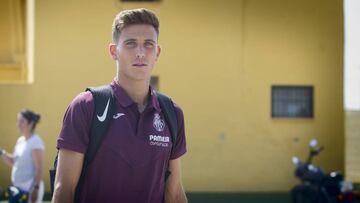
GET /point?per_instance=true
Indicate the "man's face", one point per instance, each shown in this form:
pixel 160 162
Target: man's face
pixel 136 52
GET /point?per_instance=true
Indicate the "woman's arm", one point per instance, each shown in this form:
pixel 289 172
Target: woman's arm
pixel 38 157
pixel 7 157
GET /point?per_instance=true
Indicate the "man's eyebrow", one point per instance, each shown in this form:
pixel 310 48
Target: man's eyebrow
pixel 130 40
pixel 134 40
pixel 150 40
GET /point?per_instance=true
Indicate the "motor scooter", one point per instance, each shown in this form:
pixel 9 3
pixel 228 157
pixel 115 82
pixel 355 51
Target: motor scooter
pixel 316 186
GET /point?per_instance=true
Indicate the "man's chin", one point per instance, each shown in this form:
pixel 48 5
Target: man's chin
pixel 140 78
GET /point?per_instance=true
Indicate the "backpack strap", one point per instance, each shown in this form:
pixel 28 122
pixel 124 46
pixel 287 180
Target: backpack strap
pixel 104 110
pixel 167 106
pixel 52 173
pixel 103 113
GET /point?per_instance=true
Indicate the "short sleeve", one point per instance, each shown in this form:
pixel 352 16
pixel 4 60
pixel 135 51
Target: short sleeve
pixel 74 134
pixel 15 152
pixel 37 143
pixel 179 148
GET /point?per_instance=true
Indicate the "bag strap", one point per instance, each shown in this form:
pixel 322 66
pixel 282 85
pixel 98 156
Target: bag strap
pixel 104 109
pixel 103 113
pixel 167 106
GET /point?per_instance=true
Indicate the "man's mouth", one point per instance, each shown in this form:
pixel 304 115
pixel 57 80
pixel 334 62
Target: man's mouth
pixel 139 64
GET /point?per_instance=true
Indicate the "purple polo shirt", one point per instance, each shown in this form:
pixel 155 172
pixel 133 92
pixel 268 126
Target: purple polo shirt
pixel 131 162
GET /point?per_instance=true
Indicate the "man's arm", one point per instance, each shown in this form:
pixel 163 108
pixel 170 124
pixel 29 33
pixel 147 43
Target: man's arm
pixel 174 192
pixel 67 175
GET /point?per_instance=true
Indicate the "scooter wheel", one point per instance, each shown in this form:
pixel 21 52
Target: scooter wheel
pixel 304 194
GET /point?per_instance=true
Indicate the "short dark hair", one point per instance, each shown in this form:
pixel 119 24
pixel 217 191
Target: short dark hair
pixel 133 17
pixel 30 117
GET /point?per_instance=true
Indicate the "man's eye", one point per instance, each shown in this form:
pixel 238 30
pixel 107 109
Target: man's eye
pixel 149 44
pixel 130 44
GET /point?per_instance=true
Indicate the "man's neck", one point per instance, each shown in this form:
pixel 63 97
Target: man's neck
pixel 137 90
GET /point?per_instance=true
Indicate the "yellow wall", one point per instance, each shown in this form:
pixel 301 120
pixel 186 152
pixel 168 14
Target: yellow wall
pixel 218 61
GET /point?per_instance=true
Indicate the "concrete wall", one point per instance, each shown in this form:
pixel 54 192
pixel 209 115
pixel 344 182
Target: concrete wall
pixel 352 130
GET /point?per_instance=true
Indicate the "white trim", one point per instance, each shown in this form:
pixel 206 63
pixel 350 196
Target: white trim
pixel 30 39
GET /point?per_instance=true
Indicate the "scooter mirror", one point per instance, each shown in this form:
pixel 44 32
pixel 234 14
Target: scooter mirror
pixel 313 143
pixel 295 160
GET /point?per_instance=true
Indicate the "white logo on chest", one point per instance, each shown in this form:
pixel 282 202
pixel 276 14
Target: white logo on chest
pixel 158 123
pixel 159 141
pixel 118 115
pixel 158 138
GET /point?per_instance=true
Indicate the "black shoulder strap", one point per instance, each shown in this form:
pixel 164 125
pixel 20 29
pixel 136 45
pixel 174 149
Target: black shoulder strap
pixel 167 106
pixel 103 113
pixel 104 110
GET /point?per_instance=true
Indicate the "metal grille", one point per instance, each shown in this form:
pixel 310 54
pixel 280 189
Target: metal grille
pixel 292 101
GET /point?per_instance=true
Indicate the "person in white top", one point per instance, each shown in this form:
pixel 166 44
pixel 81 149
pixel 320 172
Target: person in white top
pixel 27 159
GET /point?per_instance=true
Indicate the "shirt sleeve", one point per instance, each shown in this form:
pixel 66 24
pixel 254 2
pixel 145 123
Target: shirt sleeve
pixel 179 148
pixel 15 152
pixel 38 143
pixel 74 134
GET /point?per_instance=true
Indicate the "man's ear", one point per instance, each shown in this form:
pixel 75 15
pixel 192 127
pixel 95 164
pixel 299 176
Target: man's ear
pixel 113 51
pixel 158 52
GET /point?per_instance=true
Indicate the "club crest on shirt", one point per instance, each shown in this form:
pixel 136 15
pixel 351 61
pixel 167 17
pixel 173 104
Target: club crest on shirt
pixel 158 123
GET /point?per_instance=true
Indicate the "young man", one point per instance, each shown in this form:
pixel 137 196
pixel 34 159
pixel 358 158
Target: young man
pixel 131 162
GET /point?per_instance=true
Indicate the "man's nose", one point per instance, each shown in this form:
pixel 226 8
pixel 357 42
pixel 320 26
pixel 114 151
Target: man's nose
pixel 140 52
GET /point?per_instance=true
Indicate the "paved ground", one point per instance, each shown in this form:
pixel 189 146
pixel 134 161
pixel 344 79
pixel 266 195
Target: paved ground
pixel 283 197
pixel 7 202
pixel 232 198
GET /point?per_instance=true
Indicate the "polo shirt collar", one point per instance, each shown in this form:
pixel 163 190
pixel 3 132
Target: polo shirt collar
pixel 125 100
pixel 154 102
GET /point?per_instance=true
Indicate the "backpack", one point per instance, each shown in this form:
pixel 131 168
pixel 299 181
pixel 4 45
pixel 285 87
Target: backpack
pixel 17 195
pixel 103 96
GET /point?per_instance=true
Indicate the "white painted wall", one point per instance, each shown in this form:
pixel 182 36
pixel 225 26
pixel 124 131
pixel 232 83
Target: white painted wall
pixel 352 55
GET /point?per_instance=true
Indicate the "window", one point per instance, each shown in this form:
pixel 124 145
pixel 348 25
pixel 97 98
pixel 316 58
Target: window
pixel 292 101
pixel 16 40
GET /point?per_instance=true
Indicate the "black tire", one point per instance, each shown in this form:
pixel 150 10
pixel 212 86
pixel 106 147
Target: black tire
pixel 304 194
